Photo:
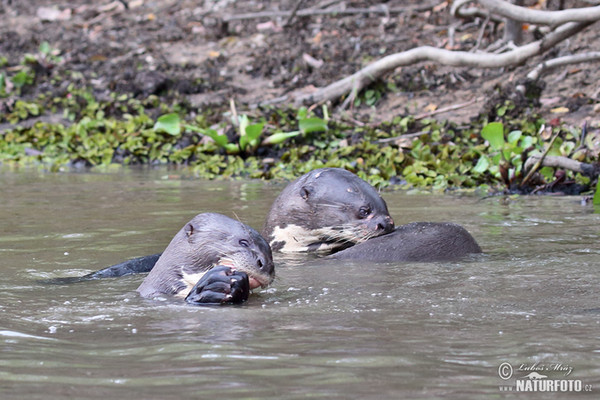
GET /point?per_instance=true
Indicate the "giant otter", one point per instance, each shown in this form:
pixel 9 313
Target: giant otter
pixel 243 259
pixel 325 210
pixel 417 241
pixel 331 209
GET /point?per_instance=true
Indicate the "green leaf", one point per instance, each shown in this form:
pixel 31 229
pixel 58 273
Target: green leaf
pixel 494 133
pixel 514 136
pixel 168 123
pixel 252 133
pixel 547 172
pixel 232 148
pixel 309 125
pixel 45 48
pixel 526 142
pixel 302 113
pixel 279 137
pixel 596 200
pixel 220 140
pixel 243 122
pixel 566 148
pixel 20 78
pixel 482 165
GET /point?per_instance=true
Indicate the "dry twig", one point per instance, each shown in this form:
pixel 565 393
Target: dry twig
pixel 449 108
pixel 537 165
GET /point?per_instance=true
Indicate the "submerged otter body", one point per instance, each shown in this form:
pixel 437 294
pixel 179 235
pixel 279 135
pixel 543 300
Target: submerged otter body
pixel 206 241
pixel 417 241
pixel 326 210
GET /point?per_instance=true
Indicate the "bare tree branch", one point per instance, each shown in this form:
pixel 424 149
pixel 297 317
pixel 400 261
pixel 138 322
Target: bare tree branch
pixel 375 70
pixel 538 17
pixel 513 31
pixel 546 66
pixel 459 10
pixel 590 170
pixel 561 62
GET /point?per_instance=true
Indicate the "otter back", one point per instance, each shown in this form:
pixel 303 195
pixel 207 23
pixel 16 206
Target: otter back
pixel 417 241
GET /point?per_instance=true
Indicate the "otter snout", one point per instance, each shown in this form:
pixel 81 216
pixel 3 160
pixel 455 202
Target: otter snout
pixel 381 224
pixel 265 266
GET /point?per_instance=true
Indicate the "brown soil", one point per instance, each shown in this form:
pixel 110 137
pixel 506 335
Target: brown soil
pixel 185 47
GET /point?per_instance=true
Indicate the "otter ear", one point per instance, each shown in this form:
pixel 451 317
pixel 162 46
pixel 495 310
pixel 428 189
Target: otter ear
pixel 189 229
pixel 305 192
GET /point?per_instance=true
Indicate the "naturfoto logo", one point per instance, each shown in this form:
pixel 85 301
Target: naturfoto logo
pixel 536 378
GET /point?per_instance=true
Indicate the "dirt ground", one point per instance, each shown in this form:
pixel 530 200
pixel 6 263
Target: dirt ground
pixel 190 48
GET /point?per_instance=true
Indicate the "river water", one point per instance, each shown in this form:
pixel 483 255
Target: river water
pixel 322 330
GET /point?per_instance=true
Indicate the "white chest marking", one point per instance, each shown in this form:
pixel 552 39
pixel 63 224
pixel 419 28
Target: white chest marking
pixel 190 281
pixel 297 239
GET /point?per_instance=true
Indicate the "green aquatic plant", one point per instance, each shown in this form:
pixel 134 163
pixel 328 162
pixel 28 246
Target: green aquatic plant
pixel 306 126
pixel 504 158
pixel 248 133
pixel 267 143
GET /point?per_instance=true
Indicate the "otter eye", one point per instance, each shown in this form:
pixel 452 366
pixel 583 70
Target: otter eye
pixel 364 212
pixel 244 243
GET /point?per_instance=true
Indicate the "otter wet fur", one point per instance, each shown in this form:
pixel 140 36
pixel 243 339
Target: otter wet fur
pixel 326 210
pixel 209 240
pixel 330 209
pixel 417 241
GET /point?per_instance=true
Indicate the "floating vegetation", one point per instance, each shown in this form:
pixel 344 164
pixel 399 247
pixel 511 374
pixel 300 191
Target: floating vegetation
pixel 78 130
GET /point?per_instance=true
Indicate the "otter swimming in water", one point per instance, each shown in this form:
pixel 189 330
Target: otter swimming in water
pixel 326 210
pixel 186 268
pixel 417 241
pixel 332 210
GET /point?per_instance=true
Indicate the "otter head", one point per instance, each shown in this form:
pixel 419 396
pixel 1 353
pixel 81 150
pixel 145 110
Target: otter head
pixel 326 210
pixel 208 240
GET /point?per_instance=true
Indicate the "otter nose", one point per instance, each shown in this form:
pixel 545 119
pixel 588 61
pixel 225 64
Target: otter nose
pixel 264 265
pixel 381 224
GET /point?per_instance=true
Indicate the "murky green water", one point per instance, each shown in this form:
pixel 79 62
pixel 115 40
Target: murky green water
pixel 322 330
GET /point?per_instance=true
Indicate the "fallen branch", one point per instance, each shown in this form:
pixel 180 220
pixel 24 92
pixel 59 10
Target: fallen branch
pixel 548 65
pixel 539 17
pixel 590 170
pixel 374 71
pixel 459 10
pixel 561 62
